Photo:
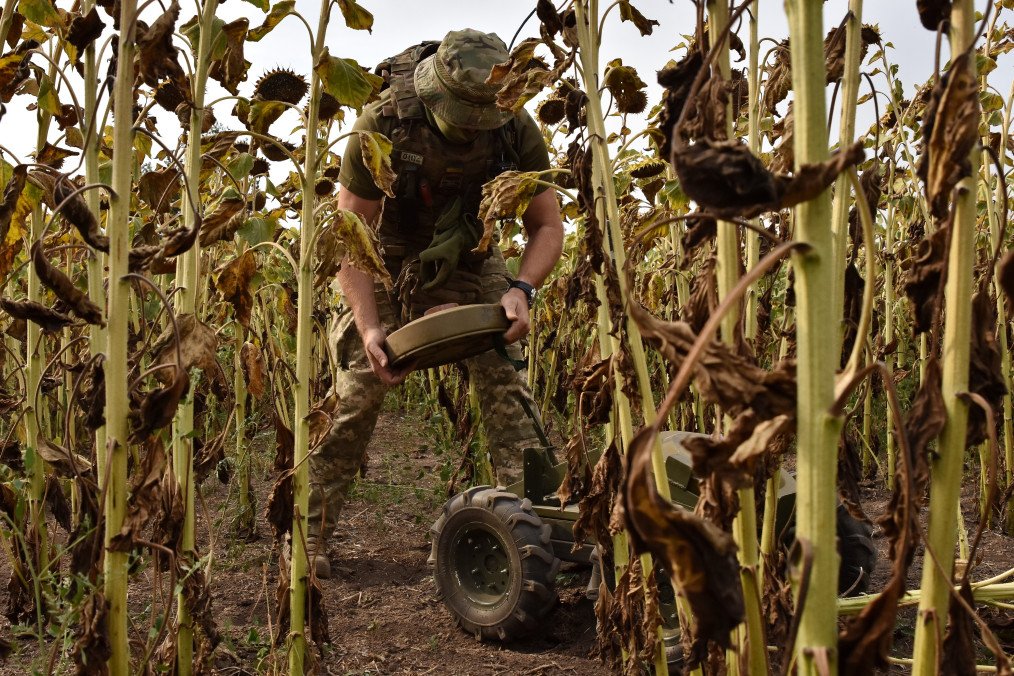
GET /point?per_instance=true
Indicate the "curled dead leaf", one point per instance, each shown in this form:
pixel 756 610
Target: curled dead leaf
pixel 61 285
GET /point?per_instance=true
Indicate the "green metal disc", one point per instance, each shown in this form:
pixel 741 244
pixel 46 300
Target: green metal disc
pixel 447 336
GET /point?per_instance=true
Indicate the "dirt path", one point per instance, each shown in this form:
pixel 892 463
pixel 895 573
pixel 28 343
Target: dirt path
pixel 384 616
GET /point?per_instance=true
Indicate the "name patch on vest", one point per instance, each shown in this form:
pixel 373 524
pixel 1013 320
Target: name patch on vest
pixel 411 158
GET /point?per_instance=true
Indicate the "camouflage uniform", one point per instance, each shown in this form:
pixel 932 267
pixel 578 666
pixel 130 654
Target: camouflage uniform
pixel 452 173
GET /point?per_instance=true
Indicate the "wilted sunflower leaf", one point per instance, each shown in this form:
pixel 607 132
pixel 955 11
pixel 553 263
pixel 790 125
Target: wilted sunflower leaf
pixel 727 179
pixel 279 11
pixel 263 114
pixel 376 149
pixel 159 188
pixel 252 360
pixel 53 156
pixel 506 196
pixel 950 131
pixel 523 76
pixel 232 67
pixel 42 12
pixel 63 460
pixel 356 17
pixel 60 284
pixel 198 344
pixel 232 281
pixel 84 30
pixel 158 407
pixel 223 221
pixel 157 56
pixel 145 495
pixel 12 194
pixel 346 81
pixel 49 320
pixel 346 236
pixel 630 13
pixel 700 557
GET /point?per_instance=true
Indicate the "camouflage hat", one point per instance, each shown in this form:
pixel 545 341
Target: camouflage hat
pixel 452 82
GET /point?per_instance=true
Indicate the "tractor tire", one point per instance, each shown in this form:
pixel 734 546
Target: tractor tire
pixel 493 564
pixel 858 554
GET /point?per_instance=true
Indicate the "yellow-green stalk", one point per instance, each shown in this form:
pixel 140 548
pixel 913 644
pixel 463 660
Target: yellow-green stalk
pixel 816 340
pixel 946 466
pixel 744 528
pixel 753 139
pixel 117 406
pixel 188 279
pixel 846 134
pixel 304 346
pixel 96 259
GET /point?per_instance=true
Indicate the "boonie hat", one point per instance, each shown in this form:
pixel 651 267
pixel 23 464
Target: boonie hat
pixel 452 82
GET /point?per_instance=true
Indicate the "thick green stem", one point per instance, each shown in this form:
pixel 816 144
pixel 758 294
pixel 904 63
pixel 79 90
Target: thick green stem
pixel 816 340
pixel 304 346
pixel 117 406
pixel 188 278
pixel 846 134
pixel 946 466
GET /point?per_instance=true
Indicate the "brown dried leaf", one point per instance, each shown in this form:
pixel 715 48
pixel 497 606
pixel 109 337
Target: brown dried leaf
pixel 198 345
pixel 145 495
pixel 346 236
pixel 159 188
pixel 49 320
pixel 546 11
pixel 700 558
pixel 232 281
pixel 61 285
pixel 156 55
pixel 1005 274
pixel 92 649
pixel 84 30
pixel 280 504
pixel 630 13
pixel 53 156
pixel 505 197
pixel 596 507
pixel 950 131
pixel 728 180
pixel 223 221
pixel 924 281
pixel 64 461
pixel 12 193
pixel 252 360
pixel 76 211
pixel 230 70
pixel 158 407
pixel 985 368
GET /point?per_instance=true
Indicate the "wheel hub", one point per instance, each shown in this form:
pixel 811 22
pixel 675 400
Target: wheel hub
pixel 482 566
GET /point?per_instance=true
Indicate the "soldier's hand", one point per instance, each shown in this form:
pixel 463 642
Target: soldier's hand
pixel 515 304
pixel 373 343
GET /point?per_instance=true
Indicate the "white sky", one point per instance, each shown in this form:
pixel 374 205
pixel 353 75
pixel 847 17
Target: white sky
pixel 400 23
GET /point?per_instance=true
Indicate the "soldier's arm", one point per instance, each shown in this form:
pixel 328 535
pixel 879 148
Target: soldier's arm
pixel 357 287
pixel 544 228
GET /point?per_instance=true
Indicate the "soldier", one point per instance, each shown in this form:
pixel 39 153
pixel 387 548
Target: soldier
pixel 449 139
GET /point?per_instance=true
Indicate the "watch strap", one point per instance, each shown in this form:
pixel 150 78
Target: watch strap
pixel 527 288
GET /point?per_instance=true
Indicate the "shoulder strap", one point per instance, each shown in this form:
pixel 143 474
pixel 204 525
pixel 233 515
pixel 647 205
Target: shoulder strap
pixel 398 72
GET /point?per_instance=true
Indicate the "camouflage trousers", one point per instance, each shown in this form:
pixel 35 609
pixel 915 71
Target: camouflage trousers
pixel 360 393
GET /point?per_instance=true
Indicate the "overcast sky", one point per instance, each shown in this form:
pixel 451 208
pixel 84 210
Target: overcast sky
pixel 400 23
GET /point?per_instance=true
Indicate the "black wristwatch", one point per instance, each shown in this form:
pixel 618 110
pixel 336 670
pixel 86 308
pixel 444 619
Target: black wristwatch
pixel 527 288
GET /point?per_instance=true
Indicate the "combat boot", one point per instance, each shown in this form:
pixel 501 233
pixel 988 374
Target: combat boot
pixel 316 552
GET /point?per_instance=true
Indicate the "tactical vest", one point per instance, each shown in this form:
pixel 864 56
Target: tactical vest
pixel 432 172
